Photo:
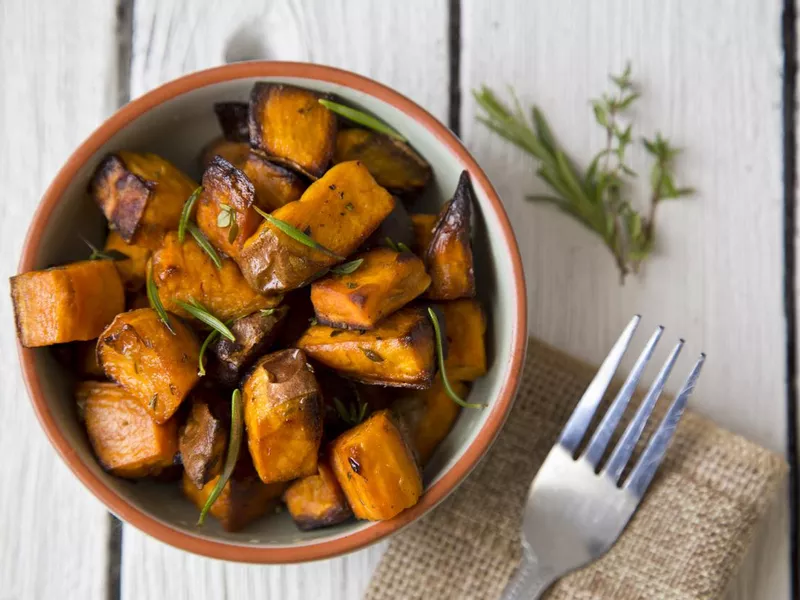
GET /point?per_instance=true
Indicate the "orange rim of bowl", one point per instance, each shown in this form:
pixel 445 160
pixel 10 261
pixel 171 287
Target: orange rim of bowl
pixel 233 551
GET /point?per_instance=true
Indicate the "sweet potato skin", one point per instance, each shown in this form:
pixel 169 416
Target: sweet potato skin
pixel 125 439
pixel 184 272
pixel 202 441
pixel 393 163
pixel 399 352
pixel 317 500
pixel 449 255
pixel 385 282
pixel 465 328
pixel 275 186
pixel 376 468
pixel 65 304
pixel 423 232
pixel 283 416
pixel 339 211
pixel 233 120
pixel 132 271
pixel 292 127
pixel 154 366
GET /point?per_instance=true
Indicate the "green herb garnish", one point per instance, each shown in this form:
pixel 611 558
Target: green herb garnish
pixel 155 301
pixel 442 371
pixel 401 247
pixel 597 198
pixel 348 267
pixel 201 313
pixel 362 118
pixel 372 355
pixel 296 234
pixel 227 219
pixel 268 311
pixel 203 242
pixel 186 213
pixel 391 244
pixel 234 445
pixel 98 254
pixel 201 371
pixel 352 414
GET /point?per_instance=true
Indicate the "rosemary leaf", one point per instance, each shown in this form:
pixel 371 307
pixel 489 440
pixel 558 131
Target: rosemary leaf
pixel 155 301
pixel 201 313
pixel 442 371
pixel 206 343
pixel 401 247
pixel 98 254
pixel 391 244
pixel 186 213
pixel 372 355
pixel 362 118
pixel 348 267
pixel 296 234
pixel 203 242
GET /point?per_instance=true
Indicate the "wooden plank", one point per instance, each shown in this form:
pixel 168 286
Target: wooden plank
pixel 403 45
pixel 59 83
pixel 710 75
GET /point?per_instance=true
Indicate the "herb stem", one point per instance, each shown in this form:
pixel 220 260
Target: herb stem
pixel 442 371
pixel 202 314
pixel 362 118
pixel 186 213
pixel 297 235
pixel 155 301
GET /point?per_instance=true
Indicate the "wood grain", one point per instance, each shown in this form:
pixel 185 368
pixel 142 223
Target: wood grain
pixel 710 75
pixel 402 44
pixel 59 83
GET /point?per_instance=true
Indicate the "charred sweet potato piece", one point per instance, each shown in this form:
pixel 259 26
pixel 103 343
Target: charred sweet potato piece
pixel 232 117
pixel 423 232
pixel 398 352
pixel 66 304
pixel 449 255
pixel 274 185
pixel 283 416
pixel 465 327
pixel 243 499
pixel 339 211
pixel 156 367
pixel 133 271
pixel 317 500
pixel 428 416
pixel 124 436
pixel 234 152
pixel 202 441
pixel 292 127
pixel 376 468
pixel 184 272
pixel 254 334
pixel 140 194
pixel 385 282
pixel 394 230
pixel 393 163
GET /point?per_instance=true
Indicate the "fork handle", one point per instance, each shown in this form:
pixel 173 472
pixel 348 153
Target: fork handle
pixel 531 578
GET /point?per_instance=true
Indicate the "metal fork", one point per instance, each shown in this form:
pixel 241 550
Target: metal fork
pixel 575 512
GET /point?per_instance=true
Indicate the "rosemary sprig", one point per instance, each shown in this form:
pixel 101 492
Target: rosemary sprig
pixel 296 234
pixel 203 242
pixel 155 301
pixel 362 118
pixel 348 267
pixel 234 445
pixel 186 213
pixel 227 219
pixel 202 314
pixel 98 254
pixel 442 371
pixel 401 247
pixel 352 414
pixel 597 197
pixel 201 371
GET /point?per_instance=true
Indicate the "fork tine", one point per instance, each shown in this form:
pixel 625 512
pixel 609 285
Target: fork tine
pixel 622 452
pixel 601 438
pixel 643 472
pixel 578 423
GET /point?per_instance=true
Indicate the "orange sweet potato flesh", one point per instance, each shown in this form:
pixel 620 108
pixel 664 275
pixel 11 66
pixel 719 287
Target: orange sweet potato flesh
pixel 376 468
pixel 317 500
pixel 133 271
pixel 124 436
pixel 184 272
pixel 283 416
pixel 292 127
pixel 154 366
pixel 465 328
pixel 233 152
pixel 202 441
pixel 65 304
pixel 141 194
pixel 339 211
pixel 429 416
pixel 423 232
pixel 449 255
pixel 385 282
pixel 275 185
pixel 393 163
pixel 398 352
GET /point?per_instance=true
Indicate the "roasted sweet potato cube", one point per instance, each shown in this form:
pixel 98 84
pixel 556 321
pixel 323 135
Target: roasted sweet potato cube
pixel 243 499
pixel 376 468
pixel 275 185
pixel 283 416
pixel 317 500
pixel 140 193
pixel 233 120
pixel 184 272
pixel 156 367
pixel 202 441
pixel 234 152
pixel 65 304
pixel 423 232
pixel 339 211
pixel 292 127
pixel 385 282
pixel 393 163
pixel 395 230
pixel 124 436
pixel 254 335
pixel 428 416
pixel 133 270
pixel 449 255
pixel 398 352
pixel 465 327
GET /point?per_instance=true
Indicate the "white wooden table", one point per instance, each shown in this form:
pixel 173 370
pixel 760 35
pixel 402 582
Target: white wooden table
pixel 711 73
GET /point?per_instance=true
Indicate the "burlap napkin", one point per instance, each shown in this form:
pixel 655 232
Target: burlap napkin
pixel 686 540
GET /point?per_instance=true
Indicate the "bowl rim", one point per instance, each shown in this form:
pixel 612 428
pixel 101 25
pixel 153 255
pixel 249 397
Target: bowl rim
pixel 316 550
